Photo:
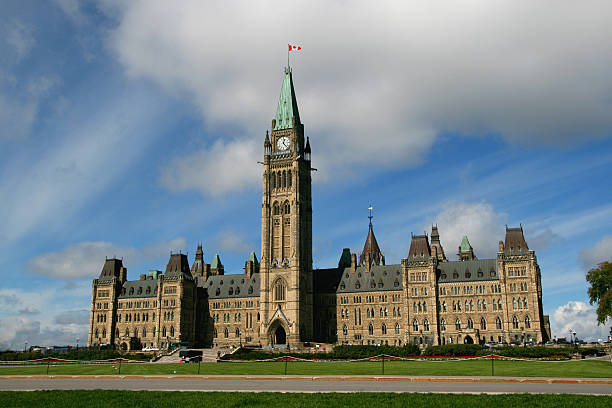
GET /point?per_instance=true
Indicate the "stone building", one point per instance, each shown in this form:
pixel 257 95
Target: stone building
pixel 426 299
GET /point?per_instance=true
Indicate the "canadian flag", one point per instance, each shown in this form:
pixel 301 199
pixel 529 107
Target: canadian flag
pixel 294 47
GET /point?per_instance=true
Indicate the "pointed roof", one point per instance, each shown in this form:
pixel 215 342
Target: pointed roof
pixel 515 240
pixel 465 244
pixel 371 248
pixel 216 262
pixel 287 104
pixel 252 257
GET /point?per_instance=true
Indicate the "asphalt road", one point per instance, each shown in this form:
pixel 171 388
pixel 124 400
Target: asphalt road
pixel 299 386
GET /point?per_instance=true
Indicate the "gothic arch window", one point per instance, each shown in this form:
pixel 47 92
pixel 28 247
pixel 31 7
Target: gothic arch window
pixel 273 180
pixel 467 274
pixel 384 329
pixel 237 291
pixel 131 291
pixel 218 291
pixel 231 291
pixel 426 325
pixel 483 323
pixel 370 329
pixel 276 209
pixel 286 208
pixel 424 306
pixel 97 333
pixel 144 332
pixel 237 332
pixel 368 313
pixel 513 303
pixel 498 323
pixel 479 305
pixel 284 179
pixel 140 290
pixel 289 180
pixel 396 283
pixel 527 322
pixel 148 290
pixel 444 306
pixel 279 290
pixel 127 332
pixel 226 333
pixel 171 331
pixel 470 324
pixel 344 330
pixel 250 290
pixel 525 303
pixel 397 328
pixel 515 322
pixel 480 274
pixel 442 325
pixel 457 324
pixel 415 325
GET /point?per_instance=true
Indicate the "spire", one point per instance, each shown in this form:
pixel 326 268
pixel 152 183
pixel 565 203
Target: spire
pixel 287 108
pixel 199 253
pixel 371 252
pixel 465 244
pixel 435 243
pixel 466 252
pixel 216 262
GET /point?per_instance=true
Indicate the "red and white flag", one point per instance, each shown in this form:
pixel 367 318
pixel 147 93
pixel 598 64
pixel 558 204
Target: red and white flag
pixel 294 47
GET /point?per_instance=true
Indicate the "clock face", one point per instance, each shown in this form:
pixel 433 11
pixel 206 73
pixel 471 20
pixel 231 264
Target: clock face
pixel 283 143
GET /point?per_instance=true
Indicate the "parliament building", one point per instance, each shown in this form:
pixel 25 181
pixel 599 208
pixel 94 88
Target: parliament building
pixel 281 300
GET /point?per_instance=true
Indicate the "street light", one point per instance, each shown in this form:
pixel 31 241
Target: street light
pixel 77 344
pixel 25 346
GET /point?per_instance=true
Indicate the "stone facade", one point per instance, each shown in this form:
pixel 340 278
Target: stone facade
pixel 426 299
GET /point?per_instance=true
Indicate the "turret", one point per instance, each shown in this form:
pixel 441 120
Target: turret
pixel 251 266
pixel 466 252
pixel 216 267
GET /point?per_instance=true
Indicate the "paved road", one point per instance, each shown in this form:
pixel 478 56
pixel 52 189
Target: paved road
pixel 288 385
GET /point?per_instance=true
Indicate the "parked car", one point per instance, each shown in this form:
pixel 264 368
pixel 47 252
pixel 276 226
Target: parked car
pixel 150 349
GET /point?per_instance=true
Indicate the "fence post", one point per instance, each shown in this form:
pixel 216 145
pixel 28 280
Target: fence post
pixel 119 365
pixel 48 362
pixel 492 366
pixel 285 365
pixel 383 364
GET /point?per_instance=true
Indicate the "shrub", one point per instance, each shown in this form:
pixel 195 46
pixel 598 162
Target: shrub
pixel 530 352
pixel 339 353
pixel 453 350
pixel 82 354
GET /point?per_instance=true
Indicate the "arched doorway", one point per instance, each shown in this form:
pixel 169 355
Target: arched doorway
pixel 280 337
pixel 468 340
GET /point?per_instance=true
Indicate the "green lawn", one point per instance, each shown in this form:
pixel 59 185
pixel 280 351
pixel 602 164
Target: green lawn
pixel 453 368
pixel 99 398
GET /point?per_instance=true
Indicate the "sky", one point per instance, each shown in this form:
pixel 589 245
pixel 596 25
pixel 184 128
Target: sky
pixel 132 129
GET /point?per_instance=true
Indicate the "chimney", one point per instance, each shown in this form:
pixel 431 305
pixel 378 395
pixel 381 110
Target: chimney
pixel 122 274
pixel 353 262
pixel 143 276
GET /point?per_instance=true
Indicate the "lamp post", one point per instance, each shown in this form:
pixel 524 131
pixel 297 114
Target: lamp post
pixel 77 343
pixel 25 346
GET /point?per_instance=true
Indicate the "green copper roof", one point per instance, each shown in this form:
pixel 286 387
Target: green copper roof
pixel 253 257
pixel 465 244
pixel 216 262
pixel 287 104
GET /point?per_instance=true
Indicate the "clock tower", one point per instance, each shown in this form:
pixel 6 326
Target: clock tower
pixel 286 297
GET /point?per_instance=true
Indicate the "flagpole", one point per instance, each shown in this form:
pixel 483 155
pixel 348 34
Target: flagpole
pixel 288 66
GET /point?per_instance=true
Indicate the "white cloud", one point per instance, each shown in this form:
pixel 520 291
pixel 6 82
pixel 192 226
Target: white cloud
pixel 72 8
pixel 221 168
pixel 379 81
pixel 20 38
pixel 232 241
pixel 86 259
pixel 581 318
pixel 483 226
pixel 49 188
pixel 600 252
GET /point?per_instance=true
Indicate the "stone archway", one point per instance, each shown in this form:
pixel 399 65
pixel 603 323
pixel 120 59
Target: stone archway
pixel 278 333
pixel 468 340
pixel 280 336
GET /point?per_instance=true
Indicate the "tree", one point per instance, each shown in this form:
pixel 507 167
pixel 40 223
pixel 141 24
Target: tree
pixel 600 291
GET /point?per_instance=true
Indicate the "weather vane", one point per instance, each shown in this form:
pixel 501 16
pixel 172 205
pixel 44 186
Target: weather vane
pixel 370 208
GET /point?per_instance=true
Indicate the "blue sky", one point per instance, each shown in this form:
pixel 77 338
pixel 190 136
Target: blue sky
pixel 134 129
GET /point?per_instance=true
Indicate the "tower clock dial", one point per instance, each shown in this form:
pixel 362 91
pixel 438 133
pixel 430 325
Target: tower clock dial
pixel 283 143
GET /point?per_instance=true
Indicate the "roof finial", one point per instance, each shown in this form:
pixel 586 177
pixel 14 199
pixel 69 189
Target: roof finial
pixel 370 208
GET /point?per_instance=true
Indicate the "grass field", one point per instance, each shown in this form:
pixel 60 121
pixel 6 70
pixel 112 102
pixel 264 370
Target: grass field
pixel 453 368
pixel 98 398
